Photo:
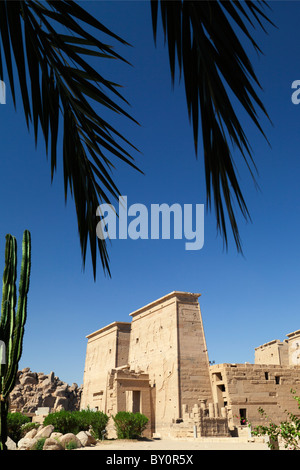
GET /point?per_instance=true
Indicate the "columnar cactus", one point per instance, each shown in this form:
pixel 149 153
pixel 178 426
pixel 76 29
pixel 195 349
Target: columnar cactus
pixel 12 322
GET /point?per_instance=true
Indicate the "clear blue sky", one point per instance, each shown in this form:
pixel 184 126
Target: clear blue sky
pixel 246 301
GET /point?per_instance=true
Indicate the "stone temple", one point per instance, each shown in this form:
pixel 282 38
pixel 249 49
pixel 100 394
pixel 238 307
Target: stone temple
pixel 158 365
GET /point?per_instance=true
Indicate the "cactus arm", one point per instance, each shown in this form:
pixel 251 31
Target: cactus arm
pixel 18 332
pixel 9 276
pixel 11 281
pixel 8 302
pixel 12 323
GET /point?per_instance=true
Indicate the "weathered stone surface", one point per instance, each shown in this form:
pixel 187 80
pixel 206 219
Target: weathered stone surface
pixel 48 401
pixel 61 403
pixel 10 444
pixel 47 385
pixel 86 438
pixel 45 431
pixel 141 362
pixel 29 378
pixel 42 376
pixel 51 377
pixel 38 390
pixel 61 391
pixel 26 443
pixel 31 434
pixel 158 364
pixel 53 440
pixel 245 388
pixel 69 437
pixel 56 435
pixel 52 444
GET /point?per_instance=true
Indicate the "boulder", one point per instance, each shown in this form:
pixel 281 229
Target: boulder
pixel 61 403
pixel 69 437
pixel 52 444
pixel 48 401
pixel 61 391
pixel 26 443
pixel 45 431
pixel 86 438
pixel 47 384
pixel 31 434
pixel 42 376
pixel 56 435
pixel 18 387
pixel 15 394
pixel 29 379
pixel 19 402
pixel 51 377
pixel 34 390
pixel 10 444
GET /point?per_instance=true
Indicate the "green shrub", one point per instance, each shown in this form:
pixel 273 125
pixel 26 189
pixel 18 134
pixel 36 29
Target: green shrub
pixel 71 445
pixel 94 421
pixel 39 444
pixel 15 423
pixel 76 421
pixel 28 427
pixel 63 421
pixel 288 431
pixel 129 425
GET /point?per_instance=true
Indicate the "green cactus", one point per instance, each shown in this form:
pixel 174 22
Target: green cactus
pixel 12 322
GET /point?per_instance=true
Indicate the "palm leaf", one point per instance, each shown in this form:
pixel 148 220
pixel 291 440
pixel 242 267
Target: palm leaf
pixel 63 85
pixel 212 60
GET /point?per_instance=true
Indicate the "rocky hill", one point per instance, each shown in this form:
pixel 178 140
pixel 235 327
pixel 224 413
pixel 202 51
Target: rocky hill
pixel 35 389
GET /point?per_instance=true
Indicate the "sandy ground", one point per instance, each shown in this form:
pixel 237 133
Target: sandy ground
pixel 178 444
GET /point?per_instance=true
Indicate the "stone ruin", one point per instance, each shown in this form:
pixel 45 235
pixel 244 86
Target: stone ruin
pixel 158 364
pixel 36 392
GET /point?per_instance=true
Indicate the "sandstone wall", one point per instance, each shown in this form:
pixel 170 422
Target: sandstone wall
pixel 194 378
pixel 107 348
pixel 165 342
pixel 294 347
pixel 282 353
pixel 247 387
pixel 154 350
pixel 168 343
pixel 273 352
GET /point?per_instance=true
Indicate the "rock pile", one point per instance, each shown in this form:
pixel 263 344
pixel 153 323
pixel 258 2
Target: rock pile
pixel 35 389
pixel 52 440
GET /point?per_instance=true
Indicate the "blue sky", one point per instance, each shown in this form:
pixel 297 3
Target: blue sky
pixel 246 301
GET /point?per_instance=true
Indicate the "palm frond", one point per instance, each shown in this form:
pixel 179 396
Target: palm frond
pixel 202 39
pixel 51 49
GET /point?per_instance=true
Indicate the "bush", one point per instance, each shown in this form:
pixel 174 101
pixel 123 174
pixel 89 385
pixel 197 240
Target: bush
pixel 28 427
pixel 129 425
pixel 95 421
pixel 63 421
pixel 76 421
pixel 39 444
pixel 15 424
pixel 288 431
pixel 71 445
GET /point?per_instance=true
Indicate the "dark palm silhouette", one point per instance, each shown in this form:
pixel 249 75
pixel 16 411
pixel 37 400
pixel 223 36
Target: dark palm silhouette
pixel 50 44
